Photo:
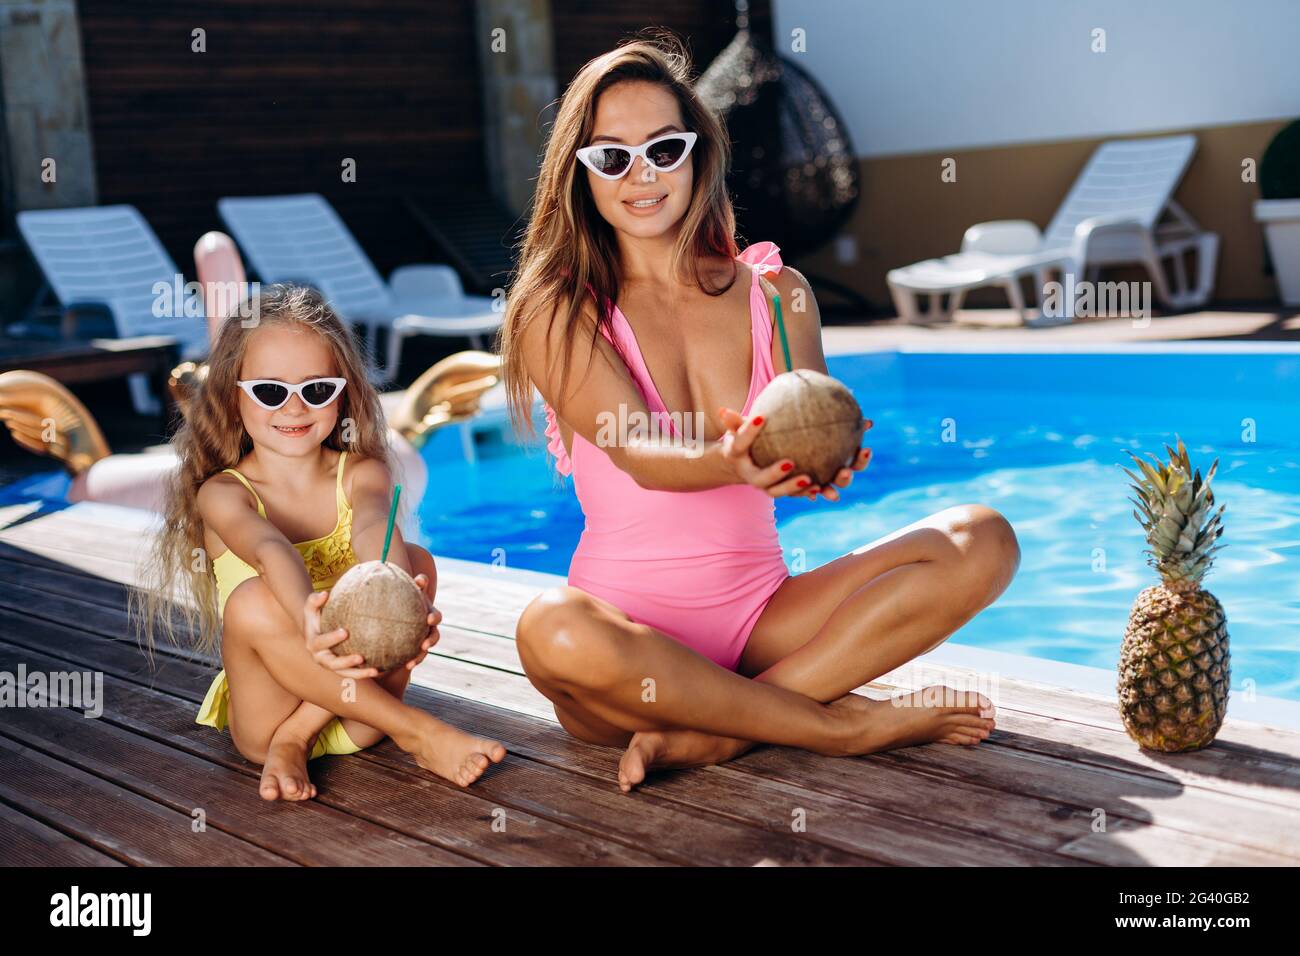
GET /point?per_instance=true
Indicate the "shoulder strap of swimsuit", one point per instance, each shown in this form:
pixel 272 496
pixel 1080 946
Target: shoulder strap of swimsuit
pixel 244 481
pixel 764 259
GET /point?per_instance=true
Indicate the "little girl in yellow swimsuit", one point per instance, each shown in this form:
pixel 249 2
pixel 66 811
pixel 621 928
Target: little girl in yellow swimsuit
pixel 284 482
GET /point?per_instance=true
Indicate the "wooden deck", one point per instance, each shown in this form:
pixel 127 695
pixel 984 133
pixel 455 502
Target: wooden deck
pixel 126 788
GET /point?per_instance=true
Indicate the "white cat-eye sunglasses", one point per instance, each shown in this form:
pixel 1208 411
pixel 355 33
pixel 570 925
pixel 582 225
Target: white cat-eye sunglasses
pixel 271 393
pixel 613 160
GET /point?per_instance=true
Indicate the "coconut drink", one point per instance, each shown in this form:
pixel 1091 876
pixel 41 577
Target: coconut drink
pixel 811 419
pixel 383 610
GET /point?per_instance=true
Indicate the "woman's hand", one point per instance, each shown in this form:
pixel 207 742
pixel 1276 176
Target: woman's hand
pixel 319 644
pixel 434 619
pixel 845 475
pixel 777 478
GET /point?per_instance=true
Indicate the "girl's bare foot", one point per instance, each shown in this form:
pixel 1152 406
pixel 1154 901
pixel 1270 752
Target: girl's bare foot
pixel 284 773
pixel 661 750
pixel 453 754
pixel 937 714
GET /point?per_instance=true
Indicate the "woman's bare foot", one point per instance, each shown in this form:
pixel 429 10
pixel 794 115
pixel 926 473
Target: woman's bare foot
pixel 284 773
pixel 662 750
pixel 453 754
pixel 936 714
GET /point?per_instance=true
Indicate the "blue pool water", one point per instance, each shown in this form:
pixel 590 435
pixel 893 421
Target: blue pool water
pixel 1039 437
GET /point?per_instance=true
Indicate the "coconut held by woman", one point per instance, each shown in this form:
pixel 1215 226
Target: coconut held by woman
pixel 809 418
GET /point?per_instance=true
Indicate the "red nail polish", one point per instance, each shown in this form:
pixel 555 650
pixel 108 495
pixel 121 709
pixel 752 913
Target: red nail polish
pixel 787 465
pixel 758 419
pixel 803 482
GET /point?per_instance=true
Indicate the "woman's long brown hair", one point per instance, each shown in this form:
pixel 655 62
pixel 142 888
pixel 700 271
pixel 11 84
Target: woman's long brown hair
pixel 177 594
pixel 569 246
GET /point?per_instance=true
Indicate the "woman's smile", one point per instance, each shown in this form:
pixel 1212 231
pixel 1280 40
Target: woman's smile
pixel 647 206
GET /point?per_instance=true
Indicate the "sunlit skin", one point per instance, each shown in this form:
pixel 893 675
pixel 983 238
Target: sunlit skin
pixel 280 666
pixel 825 632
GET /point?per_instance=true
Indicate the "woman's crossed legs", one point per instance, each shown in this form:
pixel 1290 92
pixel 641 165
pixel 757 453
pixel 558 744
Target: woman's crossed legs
pixel 823 633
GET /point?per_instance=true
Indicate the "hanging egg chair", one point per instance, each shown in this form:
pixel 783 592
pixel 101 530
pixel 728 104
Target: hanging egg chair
pixel 794 173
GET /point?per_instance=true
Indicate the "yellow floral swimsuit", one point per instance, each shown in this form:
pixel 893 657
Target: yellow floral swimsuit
pixel 326 559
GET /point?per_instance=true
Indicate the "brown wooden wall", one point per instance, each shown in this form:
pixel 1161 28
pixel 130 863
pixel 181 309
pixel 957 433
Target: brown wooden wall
pixel 285 91
pixel 288 88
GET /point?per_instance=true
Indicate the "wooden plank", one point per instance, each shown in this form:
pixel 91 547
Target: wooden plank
pixel 1250 773
pixel 309 833
pixel 537 790
pixel 1051 801
pixel 968 797
pixel 662 827
pixel 857 826
pixel 406 800
pixel 28 842
pixel 116 821
pixel 996 772
pixel 725 798
pixel 1126 843
pixel 602 808
pixel 909 752
pixel 852 829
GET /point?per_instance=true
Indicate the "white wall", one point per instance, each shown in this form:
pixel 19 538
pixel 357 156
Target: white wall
pixel 923 75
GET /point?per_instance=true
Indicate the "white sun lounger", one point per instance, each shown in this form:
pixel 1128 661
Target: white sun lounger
pixel 1111 215
pixel 301 239
pixel 108 257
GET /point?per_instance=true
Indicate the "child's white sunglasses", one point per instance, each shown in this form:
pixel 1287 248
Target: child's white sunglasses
pixel 272 394
pixel 612 160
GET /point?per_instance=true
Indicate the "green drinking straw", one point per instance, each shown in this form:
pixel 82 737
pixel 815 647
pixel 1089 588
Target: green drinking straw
pixel 780 324
pixel 392 517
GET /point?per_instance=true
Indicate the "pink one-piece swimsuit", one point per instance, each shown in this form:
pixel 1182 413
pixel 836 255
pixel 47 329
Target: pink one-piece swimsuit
pixel 698 565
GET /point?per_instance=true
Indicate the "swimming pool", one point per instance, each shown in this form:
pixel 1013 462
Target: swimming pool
pixel 1040 437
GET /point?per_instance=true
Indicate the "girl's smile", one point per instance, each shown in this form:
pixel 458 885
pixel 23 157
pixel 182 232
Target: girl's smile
pixel 293 430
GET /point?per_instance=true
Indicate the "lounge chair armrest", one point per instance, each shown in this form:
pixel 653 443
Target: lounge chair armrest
pixel 1008 236
pixel 1095 228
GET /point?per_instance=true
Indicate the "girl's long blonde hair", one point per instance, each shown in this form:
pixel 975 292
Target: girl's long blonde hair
pixel 177 592
pixel 569 246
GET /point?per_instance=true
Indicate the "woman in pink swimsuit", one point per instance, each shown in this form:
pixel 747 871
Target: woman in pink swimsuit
pixel 680 635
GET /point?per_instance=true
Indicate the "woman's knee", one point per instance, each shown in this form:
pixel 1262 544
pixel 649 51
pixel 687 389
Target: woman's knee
pixel 989 548
pixel 561 639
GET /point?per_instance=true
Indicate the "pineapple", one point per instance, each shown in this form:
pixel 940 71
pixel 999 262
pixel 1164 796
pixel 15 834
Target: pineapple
pixel 1173 665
